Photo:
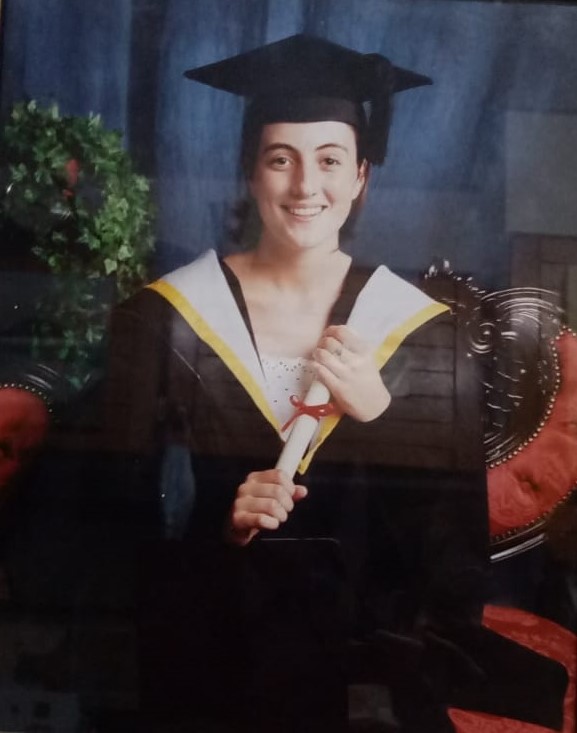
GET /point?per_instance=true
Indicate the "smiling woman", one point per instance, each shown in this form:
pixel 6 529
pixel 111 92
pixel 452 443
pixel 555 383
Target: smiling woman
pixel 382 539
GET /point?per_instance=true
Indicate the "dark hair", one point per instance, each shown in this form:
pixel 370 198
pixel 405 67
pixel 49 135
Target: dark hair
pixel 246 228
pixel 253 123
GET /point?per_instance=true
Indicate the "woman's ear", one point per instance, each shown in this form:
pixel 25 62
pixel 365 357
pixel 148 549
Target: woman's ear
pixel 361 179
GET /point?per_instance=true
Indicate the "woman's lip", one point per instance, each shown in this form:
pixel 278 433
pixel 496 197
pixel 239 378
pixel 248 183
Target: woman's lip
pixel 304 212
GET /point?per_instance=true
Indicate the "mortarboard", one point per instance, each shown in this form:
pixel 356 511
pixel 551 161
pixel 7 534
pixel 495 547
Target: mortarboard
pixel 308 79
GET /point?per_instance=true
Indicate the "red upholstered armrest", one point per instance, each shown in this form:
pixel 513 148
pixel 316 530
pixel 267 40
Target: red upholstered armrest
pixel 24 420
pixel 542 636
pixel 525 488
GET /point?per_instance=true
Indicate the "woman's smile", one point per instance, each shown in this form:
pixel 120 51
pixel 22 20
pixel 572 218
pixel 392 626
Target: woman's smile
pixel 304 213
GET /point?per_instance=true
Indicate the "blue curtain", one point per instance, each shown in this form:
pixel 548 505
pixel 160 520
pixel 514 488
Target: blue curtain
pixel 69 51
pixel 442 190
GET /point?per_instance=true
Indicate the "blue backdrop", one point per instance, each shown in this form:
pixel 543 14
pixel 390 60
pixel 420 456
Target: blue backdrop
pixel 442 191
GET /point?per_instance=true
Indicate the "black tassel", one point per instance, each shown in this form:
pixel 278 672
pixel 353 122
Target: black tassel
pixel 382 75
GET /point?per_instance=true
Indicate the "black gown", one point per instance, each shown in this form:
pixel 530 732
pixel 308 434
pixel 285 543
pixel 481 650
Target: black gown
pixel 377 577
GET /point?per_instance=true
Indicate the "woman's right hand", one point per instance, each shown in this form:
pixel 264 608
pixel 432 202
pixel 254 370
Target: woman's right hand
pixel 263 501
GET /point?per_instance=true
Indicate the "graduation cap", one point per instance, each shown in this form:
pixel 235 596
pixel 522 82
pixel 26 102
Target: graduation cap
pixel 308 79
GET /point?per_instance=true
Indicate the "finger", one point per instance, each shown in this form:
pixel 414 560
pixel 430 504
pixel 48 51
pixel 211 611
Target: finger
pixel 263 505
pixel 330 361
pixel 243 521
pixel 255 486
pixel 331 344
pixel 267 522
pixel 348 338
pixel 272 492
pixel 271 476
pixel 329 379
pixel 341 354
pixel 300 492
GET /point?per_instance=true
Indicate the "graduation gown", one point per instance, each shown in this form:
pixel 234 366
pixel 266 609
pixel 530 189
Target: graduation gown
pixel 377 576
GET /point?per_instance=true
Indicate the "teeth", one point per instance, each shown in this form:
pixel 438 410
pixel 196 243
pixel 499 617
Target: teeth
pixel 309 211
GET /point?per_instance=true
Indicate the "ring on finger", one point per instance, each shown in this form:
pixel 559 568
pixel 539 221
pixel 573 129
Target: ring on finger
pixel 335 347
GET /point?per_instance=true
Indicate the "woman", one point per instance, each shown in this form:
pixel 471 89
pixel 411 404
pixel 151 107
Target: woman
pixel 389 537
pixel 305 179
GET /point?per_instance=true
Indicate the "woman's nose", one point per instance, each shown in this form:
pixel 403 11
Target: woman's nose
pixel 305 181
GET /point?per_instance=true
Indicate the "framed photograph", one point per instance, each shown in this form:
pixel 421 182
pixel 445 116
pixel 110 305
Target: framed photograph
pixel 287 366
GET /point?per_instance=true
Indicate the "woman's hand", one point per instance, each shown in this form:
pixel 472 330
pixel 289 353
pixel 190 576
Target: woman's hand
pixel 263 501
pixel 346 365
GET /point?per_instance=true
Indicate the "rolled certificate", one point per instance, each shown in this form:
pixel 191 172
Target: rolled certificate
pixel 303 430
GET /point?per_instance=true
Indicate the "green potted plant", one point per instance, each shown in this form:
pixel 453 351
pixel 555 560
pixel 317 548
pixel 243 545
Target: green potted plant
pixel 71 186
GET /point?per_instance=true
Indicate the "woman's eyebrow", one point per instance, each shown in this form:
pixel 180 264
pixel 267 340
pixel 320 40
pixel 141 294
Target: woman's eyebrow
pixel 333 145
pixel 286 146
pixel 279 146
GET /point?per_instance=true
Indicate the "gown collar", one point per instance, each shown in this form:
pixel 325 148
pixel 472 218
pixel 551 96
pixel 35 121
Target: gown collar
pixel 385 311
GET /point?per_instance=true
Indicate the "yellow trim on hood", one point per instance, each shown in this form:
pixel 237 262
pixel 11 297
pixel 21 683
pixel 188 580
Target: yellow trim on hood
pixel 207 334
pixel 382 355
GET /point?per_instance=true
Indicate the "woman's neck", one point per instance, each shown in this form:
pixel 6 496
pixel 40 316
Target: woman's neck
pixel 289 298
pixel 303 269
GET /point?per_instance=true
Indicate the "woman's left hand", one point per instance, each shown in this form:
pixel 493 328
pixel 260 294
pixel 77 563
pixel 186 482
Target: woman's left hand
pixel 346 365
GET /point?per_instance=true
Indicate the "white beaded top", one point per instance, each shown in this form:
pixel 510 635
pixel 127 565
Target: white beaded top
pixel 285 376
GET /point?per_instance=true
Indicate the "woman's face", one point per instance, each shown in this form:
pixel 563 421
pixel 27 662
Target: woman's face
pixel 305 179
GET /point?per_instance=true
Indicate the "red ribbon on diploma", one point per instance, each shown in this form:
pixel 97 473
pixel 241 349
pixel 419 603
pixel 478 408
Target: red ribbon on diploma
pixel 316 411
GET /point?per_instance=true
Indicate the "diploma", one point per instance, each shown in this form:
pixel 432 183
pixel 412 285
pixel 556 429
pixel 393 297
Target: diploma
pixel 303 429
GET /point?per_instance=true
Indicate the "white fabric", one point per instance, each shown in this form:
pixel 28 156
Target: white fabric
pixel 385 303
pixel 286 376
pixel 204 285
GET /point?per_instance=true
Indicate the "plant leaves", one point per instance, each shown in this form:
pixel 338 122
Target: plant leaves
pixel 110 266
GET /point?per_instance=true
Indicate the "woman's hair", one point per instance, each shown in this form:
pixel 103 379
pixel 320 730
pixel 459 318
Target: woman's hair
pixel 253 123
pixel 246 228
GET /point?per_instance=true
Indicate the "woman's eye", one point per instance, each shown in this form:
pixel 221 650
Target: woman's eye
pixel 331 162
pixel 281 161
